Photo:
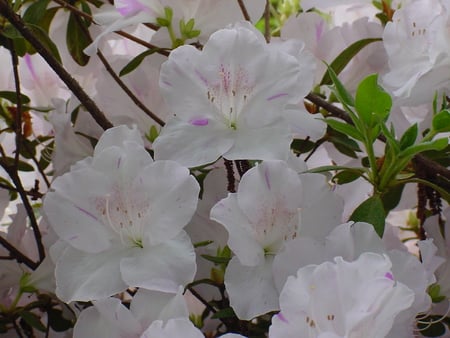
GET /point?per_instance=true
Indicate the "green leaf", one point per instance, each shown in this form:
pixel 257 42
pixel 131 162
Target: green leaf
pixel 392 197
pixel 345 57
pixel 43 37
pixel 12 97
pixel 224 313
pixel 202 244
pixel 341 93
pixel 437 329
pixel 169 13
pixel 163 22
pixel 217 259
pixel 345 128
pixel 438 144
pixel 36 12
pixel 22 166
pixel 347 176
pixel 327 168
pixel 441 121
pixel 372 103
pixel 189 25
pixel 302 146
pixel 57 321
pixel 10 32
pixel 33 320
pixel 434 291
pixel 136 61
pixel 77 39
pixel 409 137
pixel 371 211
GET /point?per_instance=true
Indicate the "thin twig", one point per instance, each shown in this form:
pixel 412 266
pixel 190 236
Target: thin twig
pixel 127 90
pixel 32 193
pixel 12 172
pixel 159 50
pixel 18 115
pixel 7 12
pixel 243 10
pixel 267 33
pixel 18 256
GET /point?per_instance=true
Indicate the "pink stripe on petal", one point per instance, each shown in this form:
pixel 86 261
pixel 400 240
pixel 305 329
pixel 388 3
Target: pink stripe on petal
pixel 276 96
pixel 389 275
pixel 199 122
pixel 282 318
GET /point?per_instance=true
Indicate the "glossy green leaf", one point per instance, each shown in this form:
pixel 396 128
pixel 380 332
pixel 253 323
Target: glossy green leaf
pixel 441 121
pixel 372 103
pixel 77 39
pixel 12 97
pixel 345 128
pixel 35 12
pixel 341 93
pixel 438 144
pixel 346 176
pixel 43 37
pixel 371 211
pixel 136 61
pixel 33 320
pixel 409 137
pixel 345 57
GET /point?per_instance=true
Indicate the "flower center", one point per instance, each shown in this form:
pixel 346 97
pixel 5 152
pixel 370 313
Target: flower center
pixel 124 218
pixel 230 93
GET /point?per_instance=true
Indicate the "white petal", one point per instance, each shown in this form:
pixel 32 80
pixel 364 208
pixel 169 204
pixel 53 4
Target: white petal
pixel 179 327
pixel 228 213
pixel 251 290
pixel 201 144
pixel 84 277
pixel 162 267
pixel 172 195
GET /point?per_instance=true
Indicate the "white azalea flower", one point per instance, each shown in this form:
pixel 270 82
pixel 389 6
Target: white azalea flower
pixel 341 299
pixel 417 44
pixel 122 215
pixel 264 214
pixel 228 99
pixel 109 318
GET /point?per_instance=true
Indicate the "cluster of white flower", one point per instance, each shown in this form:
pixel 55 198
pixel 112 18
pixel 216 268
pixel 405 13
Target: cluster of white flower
pixel 210 218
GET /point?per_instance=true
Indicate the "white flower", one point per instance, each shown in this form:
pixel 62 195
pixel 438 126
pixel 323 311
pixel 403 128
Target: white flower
pixel 122 215
pixel 341 299
pixel 418 45
pixel 228 99
pixel 265 213
pixel 109 318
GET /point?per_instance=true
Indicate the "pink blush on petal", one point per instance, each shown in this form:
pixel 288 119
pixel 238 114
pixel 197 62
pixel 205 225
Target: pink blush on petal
pixel 199 122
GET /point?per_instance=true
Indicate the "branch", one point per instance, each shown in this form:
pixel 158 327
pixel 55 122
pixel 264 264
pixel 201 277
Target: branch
pixel 130 94
pixel 19 256
pixel 11 171
pixel 267 33
pixel 70 82
pixel 243 9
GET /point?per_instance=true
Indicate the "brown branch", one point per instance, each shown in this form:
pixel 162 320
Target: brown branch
pixel 159 50
pixel 17 254
pixel 267 33
pixel 33 193
pixel 12 172
pixel 18 114
pixel 127 90
pixel 243 10
pixel 7 12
